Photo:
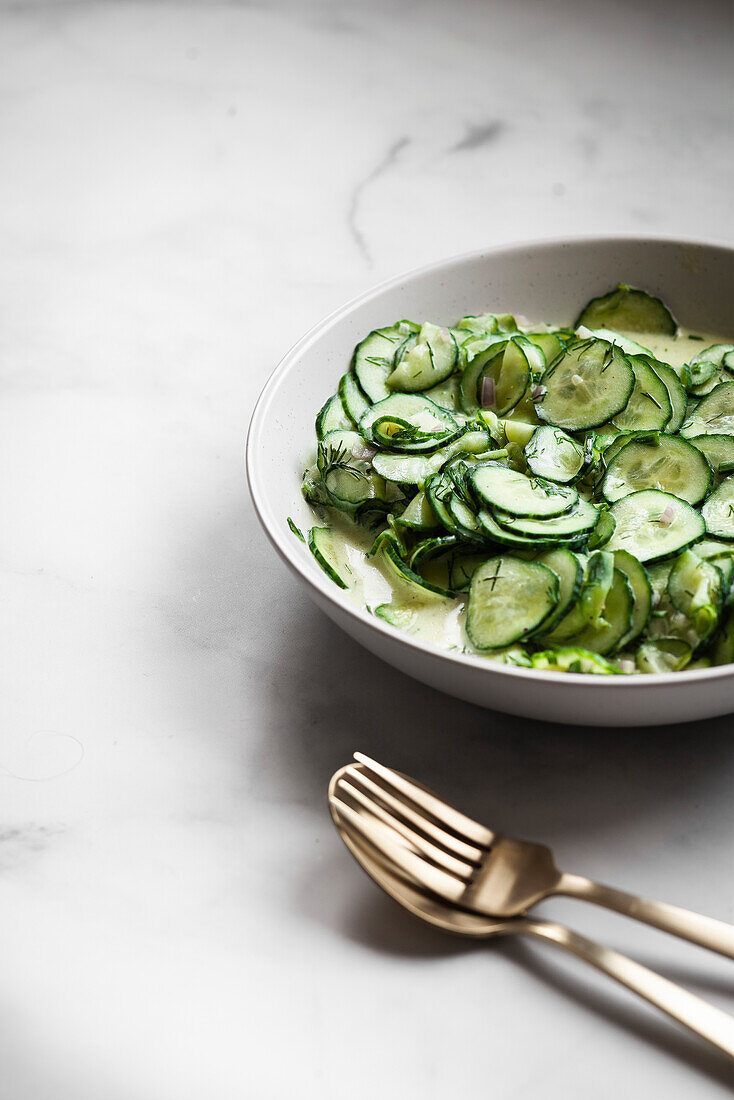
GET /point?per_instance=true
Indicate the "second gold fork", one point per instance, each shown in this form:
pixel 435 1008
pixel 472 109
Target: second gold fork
pixel 468 864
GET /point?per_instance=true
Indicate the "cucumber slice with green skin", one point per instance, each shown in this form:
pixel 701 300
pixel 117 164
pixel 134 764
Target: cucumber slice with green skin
pixel 418 515
pixel 346 473
pixel 628 309
pixel 573 659
pixel 553 454
pixel 587 385
pixel 550 343
pixel 409 469
pixel 508 600
pixel 569 569
pixel 648 408
pixel 431 360
pixel 653 525
pixel 663 655
pixel 718 449
pixel 408 422
pixel 374 358
pixel 446 394
pixel 605 528
pixel 332 417
pixel 696 588
pixel 597 582
pixel 608 632
pixel 414 585
pixel 722 651
pixel 664 462
pixel 500 487
pixel 676 393
pixel 494 533
pixel 714 415
pixel 639 582
pixel 322 545
pixel 628 346
pixel 354 402
pixel 464 519
pixel 428 549
pixel 498 378
pixel 572 524
pixel 718 511
pixel 711 366
pixel 463 567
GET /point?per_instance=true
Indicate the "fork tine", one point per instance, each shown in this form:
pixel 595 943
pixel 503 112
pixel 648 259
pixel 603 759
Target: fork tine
pixel 448 841
pixel 415 840
pixel 386 842
pixel 447 815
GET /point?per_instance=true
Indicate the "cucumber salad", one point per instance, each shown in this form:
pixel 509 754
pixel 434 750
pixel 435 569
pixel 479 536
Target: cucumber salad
pixel 553 498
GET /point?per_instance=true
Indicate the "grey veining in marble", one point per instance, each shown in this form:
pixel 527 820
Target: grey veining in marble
pixel 185 188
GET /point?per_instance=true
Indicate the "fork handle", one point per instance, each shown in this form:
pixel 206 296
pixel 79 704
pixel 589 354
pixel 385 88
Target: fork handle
pixel 716 935
pixel 710 1023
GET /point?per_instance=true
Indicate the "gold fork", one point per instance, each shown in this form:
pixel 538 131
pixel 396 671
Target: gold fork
pixel 706 1021
pixel 464 862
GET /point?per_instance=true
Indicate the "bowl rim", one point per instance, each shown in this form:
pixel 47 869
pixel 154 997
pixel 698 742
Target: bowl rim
pixel 319 582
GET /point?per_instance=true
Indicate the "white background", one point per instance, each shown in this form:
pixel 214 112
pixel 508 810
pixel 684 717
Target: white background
pixel 184 189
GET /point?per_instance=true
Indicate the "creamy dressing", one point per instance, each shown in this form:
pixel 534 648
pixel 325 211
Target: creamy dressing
pixel 438 620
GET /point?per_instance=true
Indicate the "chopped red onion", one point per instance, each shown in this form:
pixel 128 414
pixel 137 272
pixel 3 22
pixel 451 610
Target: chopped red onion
pixel 445 334
pixel 626 665
pixel 577 380
pixel 538 392
pixel 668 514
pixel 488 393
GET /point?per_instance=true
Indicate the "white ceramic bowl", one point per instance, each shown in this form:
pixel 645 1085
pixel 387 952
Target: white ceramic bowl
pixel 546 280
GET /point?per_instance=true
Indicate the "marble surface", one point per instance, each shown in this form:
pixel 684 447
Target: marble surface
pixel 186 187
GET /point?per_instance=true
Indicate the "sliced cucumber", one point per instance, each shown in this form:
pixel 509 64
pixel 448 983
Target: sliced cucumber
pixel 498 378
pixel 664 655
pixel 354 402
pixel 598 581
pixel 649 407
pixel 411 582
pixel 410 469
pixel 374 358
pixel 574 523
pixel 344 464
pixel 676 393
pixel 658 461
pixel 332 417
pixel 328 554
pixel 652 525
pixel 722 651
pixel 494 533
pixel 569 569
pixel 573 659
pixel 708 368
pixel 639 582
pixel 718 449
pixel 464 518
pixel 500 487
pixel 696 588
pixel 714 415
pixel 628 346
pixel 418 515
pixel 508 601
pixel 408 422
pixel 628 309
pixel 550 343
pixel 446 394
pixel 718 511
pixel 431 360
pixel 603 531
pixel 463 567
pixel 587 385
pixel 609 630
pixel 553 454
